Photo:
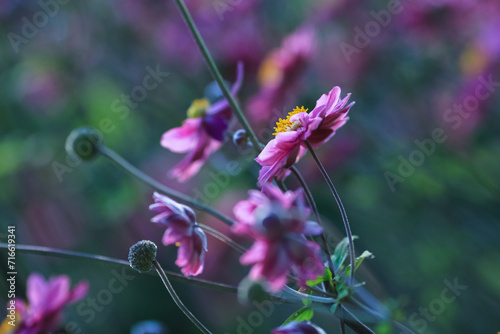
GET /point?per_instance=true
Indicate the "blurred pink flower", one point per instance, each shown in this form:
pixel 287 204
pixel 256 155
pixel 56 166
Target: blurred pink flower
pixel 304 327
pixel 201 134
pixel 183 231
pixel 46 301
pixel 280 72
pixel 316 127
pixel 278 223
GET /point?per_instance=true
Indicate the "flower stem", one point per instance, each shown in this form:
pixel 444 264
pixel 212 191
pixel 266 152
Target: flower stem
pixel 99 258
pixel 312 204
pixel 341 207
pixel 177 300
pixel 222 237
pixel 342 323
pixel 216 74
pixel 125 165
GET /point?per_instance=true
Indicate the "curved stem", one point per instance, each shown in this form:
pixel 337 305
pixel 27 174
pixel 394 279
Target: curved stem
pixel 312 204
pixel 177 300
pixel 357 325
pixel 317 299
pixel 125 165
pixel 222 237
pixel 341 207
pixel 216 74
pixel 99 258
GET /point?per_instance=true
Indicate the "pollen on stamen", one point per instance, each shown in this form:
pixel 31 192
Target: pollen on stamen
pixel 284 125
pixel 177 244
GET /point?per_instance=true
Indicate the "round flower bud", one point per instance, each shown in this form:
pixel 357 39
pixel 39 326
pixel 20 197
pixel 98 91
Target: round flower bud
pixel 240 138
pixel 82 143
pixel 213 92
pixel 249 291
pixel 142 255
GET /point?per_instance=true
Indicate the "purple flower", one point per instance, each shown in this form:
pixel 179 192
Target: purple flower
pixel 304 327
pixel 183 231
pixel 280 71
pixel 46 300
pixel 316 127
pixel 201 134
pixel 278 223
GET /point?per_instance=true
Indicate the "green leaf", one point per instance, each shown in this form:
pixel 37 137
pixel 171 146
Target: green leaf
pixel 302 314
pixel 327 276
pixel 365 255
pixel 341 252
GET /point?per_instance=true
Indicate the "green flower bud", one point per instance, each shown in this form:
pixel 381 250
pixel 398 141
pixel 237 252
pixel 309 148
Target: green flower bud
pixel 142 255
pixel 82 143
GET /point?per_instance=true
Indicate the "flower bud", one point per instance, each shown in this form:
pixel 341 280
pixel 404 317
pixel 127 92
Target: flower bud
pixel 249 291
pixel 142 255
pixel 240 138
pixel 213 92
pixel 82 143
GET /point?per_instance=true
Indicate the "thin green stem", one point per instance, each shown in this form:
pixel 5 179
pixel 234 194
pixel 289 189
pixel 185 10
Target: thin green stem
pixel 222 237
pixel 39 250
pixel 216 74
pixel 341 207
pixel 177 300
pixel 312 204
pixel 125 165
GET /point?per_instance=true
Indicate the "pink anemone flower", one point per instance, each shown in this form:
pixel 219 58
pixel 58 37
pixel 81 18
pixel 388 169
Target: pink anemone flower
pixel 329 114
pixel 201 134
pixel 46 301
pixel 304 327
pixel 183 231
pixel 278 224
pixel 280 72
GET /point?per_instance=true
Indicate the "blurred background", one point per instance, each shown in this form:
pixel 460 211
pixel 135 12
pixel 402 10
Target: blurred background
pixel 416 165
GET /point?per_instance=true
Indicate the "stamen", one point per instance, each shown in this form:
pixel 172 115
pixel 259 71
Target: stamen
pixel 198 108
pixel 284 125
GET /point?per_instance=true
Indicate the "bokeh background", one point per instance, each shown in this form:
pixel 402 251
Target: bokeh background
pixel 407 64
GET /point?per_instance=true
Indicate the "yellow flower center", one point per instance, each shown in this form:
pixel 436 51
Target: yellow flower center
pixel 198 108
pixel 284 125
pixel 177 244
pixel 269 75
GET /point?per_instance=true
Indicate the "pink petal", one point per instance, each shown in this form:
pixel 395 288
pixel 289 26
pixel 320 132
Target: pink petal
pixel 312 228
pixel 36 291
pixel 79 291
pixel 183 138
pixel 255 254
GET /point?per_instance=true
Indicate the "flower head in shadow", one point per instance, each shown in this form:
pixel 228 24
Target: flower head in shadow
pixel 278 224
